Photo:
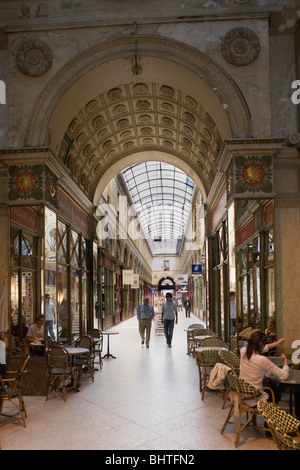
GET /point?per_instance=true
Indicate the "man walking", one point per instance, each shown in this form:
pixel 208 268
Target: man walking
pixel 50 316
pixel 169 317
pixel 145 315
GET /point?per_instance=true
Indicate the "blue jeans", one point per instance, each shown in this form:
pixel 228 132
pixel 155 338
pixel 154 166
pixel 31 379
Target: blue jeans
pixel 168 329
pixel 49 329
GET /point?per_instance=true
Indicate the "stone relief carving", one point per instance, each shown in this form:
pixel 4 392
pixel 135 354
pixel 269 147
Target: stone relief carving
pixel 240 46
pixel 34 58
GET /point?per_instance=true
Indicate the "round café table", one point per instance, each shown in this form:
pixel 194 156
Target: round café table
pixel 73 351
pixel 108 333
pixel 293 379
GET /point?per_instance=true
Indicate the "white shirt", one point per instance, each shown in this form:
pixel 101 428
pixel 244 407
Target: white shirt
pixel 253 371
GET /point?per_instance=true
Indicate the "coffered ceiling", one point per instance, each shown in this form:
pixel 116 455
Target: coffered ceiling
pixel 137 117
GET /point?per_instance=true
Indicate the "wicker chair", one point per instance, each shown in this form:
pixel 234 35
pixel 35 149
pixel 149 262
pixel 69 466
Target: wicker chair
pixel 241 392
pixel 214 342
pixel 13 394
pixel 60 370
pixel 284 427
pixel 230 359
pixel 233 361
pixel 194 342
pixel 98 344
pixel 190 335
pixel 206 361
pixel 85 361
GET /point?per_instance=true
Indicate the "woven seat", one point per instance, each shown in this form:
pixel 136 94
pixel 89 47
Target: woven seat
pixel 206 360
pixel 284 427
pixel 13 394
pixel 60 370
pixel 241 394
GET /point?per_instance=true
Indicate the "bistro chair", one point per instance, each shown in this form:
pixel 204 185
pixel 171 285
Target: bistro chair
pixel 218 342
pixel 206 360
pixel 233 361
pixel 98 344
pixel 85 362
pixel 49 342
pixel 189 335
pixel 241 395
pixel 13 394
pixel 60 370
pixel 194 342
pixel 284 427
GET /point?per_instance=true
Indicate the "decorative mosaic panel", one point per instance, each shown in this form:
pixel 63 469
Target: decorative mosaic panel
pixel 250 176
pixel 32 183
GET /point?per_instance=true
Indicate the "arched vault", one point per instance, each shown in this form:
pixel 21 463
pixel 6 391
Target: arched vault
pixel 100 110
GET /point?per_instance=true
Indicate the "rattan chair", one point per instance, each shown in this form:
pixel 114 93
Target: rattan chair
pixel 233 361
pixel 190 335
pixel 194 342
pixel 60 369
pixel 13 394
pixel 284 427
pixel 230 359
pixel 242 392
pixel 85 362
pixel 97 336
pixel 214 342
pixel 206 360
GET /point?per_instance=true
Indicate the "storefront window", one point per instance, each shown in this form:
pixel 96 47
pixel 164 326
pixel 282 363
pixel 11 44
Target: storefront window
pixel 50 262
pixel 24 262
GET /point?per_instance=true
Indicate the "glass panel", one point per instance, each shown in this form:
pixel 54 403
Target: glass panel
pixel 270 294
pixel 62 241
pixel 75 302
pixel 74 248
pixel 62 298
pixel 50 266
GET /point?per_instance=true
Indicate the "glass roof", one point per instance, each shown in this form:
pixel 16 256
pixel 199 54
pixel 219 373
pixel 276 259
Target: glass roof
pixel 162 196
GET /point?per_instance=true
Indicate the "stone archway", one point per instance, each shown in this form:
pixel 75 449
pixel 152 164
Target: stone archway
pixel 97 111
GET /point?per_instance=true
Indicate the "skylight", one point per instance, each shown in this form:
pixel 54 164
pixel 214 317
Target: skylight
pixel 162 196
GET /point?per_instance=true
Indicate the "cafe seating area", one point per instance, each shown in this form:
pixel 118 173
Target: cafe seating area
pixel 127 406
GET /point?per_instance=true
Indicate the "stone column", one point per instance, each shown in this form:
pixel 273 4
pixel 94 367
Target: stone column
pixel 287 243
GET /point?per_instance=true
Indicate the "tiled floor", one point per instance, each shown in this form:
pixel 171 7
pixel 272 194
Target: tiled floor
pixel 145 399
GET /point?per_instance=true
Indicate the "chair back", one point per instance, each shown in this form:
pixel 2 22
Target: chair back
pixel 214 342
pixel 97 335
pixel 283 424
pixel 278 418
pixel 230 359
pixel 85 341
pixel 49 342
pixel 195 325
pixel 208 358
pixel 58 357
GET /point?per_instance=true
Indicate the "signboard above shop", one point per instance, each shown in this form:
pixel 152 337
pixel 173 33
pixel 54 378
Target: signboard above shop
pixel 196 268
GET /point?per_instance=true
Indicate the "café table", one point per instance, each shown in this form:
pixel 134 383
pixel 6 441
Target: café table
pixel 108 333
pixel 293 379
pixel 210 348
pixel 73 351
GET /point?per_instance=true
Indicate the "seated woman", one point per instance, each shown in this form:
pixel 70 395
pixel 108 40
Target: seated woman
pixel 254 365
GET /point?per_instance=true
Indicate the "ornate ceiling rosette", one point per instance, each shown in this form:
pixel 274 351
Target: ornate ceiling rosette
pixel 34 58
pixel 240 46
